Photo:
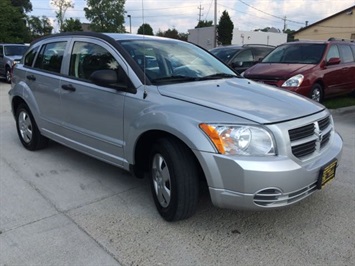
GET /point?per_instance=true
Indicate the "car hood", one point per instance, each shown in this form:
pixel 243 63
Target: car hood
pixel 275 70
pixel 241 97
pixel 14 57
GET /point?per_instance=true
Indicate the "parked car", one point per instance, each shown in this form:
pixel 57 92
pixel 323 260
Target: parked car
pixel 316 69
pixel 240 58
pixel 170 111
pixel 10 54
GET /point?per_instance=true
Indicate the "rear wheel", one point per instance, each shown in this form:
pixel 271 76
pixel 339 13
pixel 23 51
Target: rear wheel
pixel 174 179
pixel 27 129
pixel 316 93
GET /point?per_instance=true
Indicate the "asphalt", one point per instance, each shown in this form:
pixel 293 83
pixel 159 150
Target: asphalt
pixel 60 207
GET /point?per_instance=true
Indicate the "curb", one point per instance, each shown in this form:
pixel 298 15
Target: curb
pixel 343 110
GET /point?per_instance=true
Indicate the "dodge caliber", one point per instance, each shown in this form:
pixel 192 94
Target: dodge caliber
pixel 171 112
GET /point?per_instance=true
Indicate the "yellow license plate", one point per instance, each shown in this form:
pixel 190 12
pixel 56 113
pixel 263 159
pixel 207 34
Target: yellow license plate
pixel 326 174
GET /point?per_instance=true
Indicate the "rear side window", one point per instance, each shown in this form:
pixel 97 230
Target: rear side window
pixel 346 53
pixel 50 57
pixel 87 58
pixel 1 50
pixel 30 56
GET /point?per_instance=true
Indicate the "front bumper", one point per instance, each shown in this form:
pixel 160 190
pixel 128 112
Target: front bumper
pixel 264 182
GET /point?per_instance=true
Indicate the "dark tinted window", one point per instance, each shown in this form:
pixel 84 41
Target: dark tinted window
pixel 11 50
pixel 225 54
pixel 50 57
pixel 30 56
pixel 87 58
pixel 305 53
pixel 346 53
pixel 1 50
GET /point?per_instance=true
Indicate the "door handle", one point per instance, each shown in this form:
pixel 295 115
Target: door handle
pixel 31 77
pixel 68 87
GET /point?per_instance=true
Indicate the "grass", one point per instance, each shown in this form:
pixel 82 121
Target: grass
pixel 340 102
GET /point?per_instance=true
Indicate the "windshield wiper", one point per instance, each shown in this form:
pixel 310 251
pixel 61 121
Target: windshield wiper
pixel 218 76
pixel 177 78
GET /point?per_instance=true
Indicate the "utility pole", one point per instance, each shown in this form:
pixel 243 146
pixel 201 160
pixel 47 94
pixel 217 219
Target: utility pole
pixel 285 26
pixel 215 24
pixel 199 13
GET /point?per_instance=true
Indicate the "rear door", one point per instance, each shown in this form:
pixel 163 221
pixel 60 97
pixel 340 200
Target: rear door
pixel 43 78
pixel 92 114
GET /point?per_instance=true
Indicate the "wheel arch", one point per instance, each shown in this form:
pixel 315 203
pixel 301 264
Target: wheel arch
pixel 144 145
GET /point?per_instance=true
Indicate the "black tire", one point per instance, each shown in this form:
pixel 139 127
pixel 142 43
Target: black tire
pixel 316 93
pixel 27 129
pixel 8 74
pixel 174 179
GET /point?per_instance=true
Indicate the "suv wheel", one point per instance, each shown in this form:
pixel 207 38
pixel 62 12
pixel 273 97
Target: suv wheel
pixel 8 74
pixel 174 179
pixel 27 129
pixel 316 93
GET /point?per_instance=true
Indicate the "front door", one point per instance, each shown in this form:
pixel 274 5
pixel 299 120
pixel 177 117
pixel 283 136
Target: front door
pixel 92 114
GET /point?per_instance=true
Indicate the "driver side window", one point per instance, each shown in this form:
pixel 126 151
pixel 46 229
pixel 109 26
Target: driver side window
pixel 87 58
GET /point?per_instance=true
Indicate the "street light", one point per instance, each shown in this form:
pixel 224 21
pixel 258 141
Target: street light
pixel 130 25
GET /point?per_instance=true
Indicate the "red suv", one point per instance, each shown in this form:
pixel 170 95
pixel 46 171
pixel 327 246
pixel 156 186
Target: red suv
pixel 316 69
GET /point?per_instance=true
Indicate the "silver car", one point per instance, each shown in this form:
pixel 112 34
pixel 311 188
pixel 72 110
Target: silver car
pixel 170 111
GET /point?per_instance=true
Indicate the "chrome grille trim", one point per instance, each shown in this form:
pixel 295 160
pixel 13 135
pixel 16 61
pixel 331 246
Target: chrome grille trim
pixel 310 138
pixel 273 197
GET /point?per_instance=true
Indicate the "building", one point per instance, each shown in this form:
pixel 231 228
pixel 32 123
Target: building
pixel 204 37
pixel 340 25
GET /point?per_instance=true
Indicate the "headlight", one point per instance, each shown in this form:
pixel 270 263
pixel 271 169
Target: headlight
pixel 295 81
pixel 240 140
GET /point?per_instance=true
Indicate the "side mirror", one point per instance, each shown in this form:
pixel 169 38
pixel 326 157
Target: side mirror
pixel 116 79
pixel 237 64
pixel 104 77
pixel 333 61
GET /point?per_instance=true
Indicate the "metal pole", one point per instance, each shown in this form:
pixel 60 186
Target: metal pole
pixel 130 25
pixel 215 24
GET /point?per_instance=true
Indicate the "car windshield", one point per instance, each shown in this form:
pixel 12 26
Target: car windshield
pixel 15 50
pixel 296 54
pixel 167 62
pixel 225 54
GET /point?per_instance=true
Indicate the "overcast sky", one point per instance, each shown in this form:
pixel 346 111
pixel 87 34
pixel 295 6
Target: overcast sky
pixel 184 14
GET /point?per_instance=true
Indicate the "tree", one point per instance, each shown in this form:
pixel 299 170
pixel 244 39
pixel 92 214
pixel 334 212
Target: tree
pixel 204 23
pixel 24 5
pixel 62 6
pixel 173 34
pixel 72 25
pixel 225 29
pixel 13 23
pixel 290 37
pixel 106 15
pixel 39 26
pixel 145 29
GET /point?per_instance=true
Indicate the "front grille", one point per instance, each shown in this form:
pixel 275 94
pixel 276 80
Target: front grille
pixel 310 138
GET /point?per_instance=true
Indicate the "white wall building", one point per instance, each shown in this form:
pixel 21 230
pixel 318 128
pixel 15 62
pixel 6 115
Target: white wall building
pixel 204 37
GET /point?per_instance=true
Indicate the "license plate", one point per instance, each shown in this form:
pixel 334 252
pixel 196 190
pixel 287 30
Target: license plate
pixel 326 174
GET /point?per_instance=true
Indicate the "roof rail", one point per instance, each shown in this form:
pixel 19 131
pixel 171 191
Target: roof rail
pixel 257 44
pixel 341 39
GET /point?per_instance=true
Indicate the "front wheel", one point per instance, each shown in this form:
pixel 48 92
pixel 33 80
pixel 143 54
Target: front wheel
pixel 316 93
pixel 174 179
pixel 8 75
pixel 27 129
